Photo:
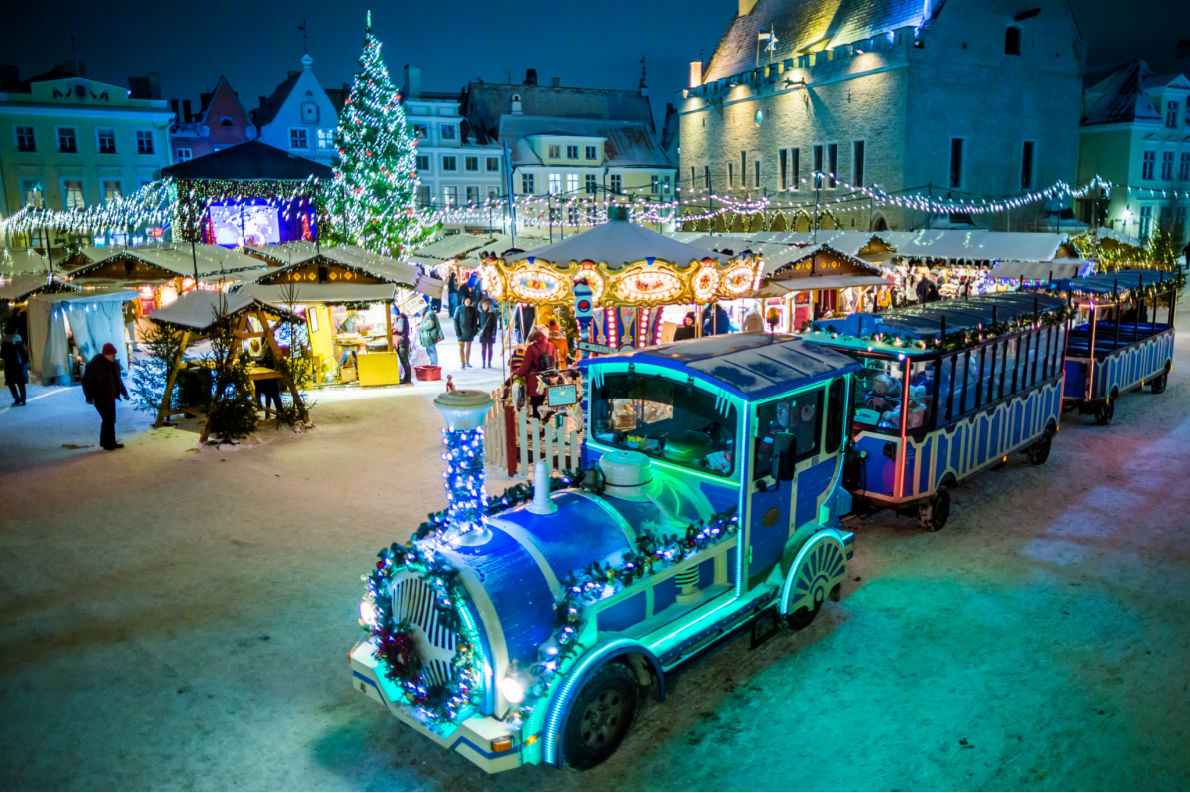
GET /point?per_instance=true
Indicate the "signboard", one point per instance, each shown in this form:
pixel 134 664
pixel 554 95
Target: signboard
pixel 156 232
pixel 603 348
pixel 561 395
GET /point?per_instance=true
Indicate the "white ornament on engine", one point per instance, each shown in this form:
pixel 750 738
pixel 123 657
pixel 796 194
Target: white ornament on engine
pixel 627 474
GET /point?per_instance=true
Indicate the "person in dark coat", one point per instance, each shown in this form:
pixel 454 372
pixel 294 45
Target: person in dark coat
pixel 466 326
pixel 922 289
pixel 686 330
pixel 452 293
pixel 488 320
pixel 15 356
pixel 401 337
pixel 523 318
pixel 102 386
pixel 715 320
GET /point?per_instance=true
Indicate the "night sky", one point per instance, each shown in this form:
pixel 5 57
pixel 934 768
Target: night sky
pixel 453 41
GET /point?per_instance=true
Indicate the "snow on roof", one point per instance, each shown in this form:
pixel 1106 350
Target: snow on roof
pixel 488 102
pixel 617 243
pixel 198 310
pixel 23 261
pixel 21 286
pixel 451 246
pixel 977 244
pixel 211 260
pixel 317 293
pixel 297 254
pixel 1036 271
pixel 786 255
pixel 1121 96
pixel 88 296
pixel 626 143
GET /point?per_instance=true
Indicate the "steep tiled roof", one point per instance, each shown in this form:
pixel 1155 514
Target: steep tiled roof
pixel 625 143
pixel 269 105
pixel 1121 97
pixel 810 25
pixel 487 102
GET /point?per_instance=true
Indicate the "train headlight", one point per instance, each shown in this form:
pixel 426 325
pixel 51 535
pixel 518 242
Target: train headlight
pixel 513 690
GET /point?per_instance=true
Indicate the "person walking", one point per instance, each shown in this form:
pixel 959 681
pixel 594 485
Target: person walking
pixel 466 326
pixel 16 357
pixel 401 339
pixel 429 334
pixel 452 293
pixel 539 358
pixel 102 386
pixel 488 322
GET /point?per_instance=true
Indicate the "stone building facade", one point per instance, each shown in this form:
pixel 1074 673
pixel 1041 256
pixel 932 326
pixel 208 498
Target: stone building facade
pixel 969 99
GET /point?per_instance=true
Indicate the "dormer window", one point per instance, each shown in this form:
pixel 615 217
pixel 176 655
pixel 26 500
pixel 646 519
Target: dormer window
pixel 554 151
pixel 1012 40
pixel 309 112
pixel 1171 114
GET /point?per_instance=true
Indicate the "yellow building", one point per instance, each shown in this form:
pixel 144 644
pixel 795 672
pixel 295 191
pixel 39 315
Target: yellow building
pixel 68 141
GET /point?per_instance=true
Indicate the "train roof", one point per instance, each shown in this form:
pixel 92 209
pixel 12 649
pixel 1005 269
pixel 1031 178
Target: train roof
pixel 1120 282
pixel 925 323
pixel 750 365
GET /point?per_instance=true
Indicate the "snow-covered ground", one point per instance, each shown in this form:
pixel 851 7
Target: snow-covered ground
pixel 175 617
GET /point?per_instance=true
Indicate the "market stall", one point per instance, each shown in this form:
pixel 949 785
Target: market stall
pixel 254 323
pixel 67 329
pixel 800 285
pixel 348 296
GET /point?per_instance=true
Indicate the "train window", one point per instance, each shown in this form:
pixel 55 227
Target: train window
pixel 991 372
pixel 836 416
pixel 879 391
pixel 922 388
pixel 946 378
pixel 663 418
pixel 969 364
pixel 801 415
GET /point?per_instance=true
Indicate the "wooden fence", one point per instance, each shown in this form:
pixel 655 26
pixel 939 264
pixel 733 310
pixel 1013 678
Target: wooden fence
pixel 514 441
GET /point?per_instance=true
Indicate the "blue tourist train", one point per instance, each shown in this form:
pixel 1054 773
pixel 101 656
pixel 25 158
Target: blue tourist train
pixel 948 389
pixel 1119 341
pixel 526 627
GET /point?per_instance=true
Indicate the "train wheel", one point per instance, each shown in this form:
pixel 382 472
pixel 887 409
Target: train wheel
pixel 1104 413
pixel 601 717
pixel 1158 383
pixel 1039 452
pixel 820 566
pixel 933 514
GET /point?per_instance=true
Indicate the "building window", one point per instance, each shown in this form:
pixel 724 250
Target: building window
pixel 1171 114
pixel 592 153
pixel 32 192
pixel 1027 165
pixel 449 163
pixel 1147 163
pixel 955 178
pixel 572 183
pixel 472 194
pixel 1184 167
pixel 448 131
pixel 1164 218
pixel 111 190
pixel 743 169
pixel 226 121
pixel 756 173
pixel 591 185
pixel 554 151
pixel 67 140
pixel 326 138
pixel 555 182
pixel 309 113
pixel 857 163
pixel 450 195
pixel 72 194
pixel 617 183
pixel 795 168
pixel 572 152
pixel 1012 40
pixel 471 164
pixel 730 176
pixel 706 176
pixel 419 131
pixel 818 150
pixel 423 162
pixel 783 167
pixel 297 138
pixel 423 195
pixel 105 141
pixel 527 183
pixel 492 164
pixel 144 141
pixel 1180 222
pixel 493 193
pixel 26 140
pixel 1167 165
pixel 832 156
pixel 655 184
pixel 665 184
pixel 1146 221
pixel 184 154
pixel 572 216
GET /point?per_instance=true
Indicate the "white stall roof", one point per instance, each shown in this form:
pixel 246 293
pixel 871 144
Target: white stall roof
pixel 318 293
pixel 21 286
pixel 200 308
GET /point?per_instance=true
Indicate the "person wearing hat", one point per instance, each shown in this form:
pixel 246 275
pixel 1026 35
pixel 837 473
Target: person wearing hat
pixel 686 330
pixel 16 357
pixel 102 386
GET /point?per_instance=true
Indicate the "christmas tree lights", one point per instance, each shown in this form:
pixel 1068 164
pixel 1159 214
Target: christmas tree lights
pixel 372 199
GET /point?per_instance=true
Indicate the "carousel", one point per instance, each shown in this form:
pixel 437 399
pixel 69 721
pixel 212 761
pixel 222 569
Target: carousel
pixel 629 287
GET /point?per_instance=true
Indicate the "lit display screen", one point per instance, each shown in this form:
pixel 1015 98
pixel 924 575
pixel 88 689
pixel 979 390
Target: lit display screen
pixel 245 224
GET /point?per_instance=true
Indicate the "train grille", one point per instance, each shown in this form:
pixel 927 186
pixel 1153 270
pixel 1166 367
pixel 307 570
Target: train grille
pixel 415 600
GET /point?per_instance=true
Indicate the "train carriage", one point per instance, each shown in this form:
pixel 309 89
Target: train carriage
pixel 710 497
pixel 1122 338
pixel 948 389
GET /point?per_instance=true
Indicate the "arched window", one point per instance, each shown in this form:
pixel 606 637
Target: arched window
pixel 1012 40
pixel 226 121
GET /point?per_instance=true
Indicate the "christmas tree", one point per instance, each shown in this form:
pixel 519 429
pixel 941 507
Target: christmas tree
pixel 372 202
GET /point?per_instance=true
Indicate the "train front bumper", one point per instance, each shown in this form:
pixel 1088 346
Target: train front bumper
pixel 488 742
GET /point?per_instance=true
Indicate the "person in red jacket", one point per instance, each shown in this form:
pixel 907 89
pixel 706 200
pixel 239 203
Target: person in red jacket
pixel 540 356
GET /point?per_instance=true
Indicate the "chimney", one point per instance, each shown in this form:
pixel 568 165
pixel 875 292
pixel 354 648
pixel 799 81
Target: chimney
pixel 695 74
pixel 189 116
pixel 173 105
pixel 554 82
pixel 412 81
pixel 530 77
pixel 746 7
pixel 154 85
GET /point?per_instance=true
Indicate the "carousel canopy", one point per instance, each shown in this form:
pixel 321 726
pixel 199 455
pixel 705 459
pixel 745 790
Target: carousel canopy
pixel 199 310
pixel 624 265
